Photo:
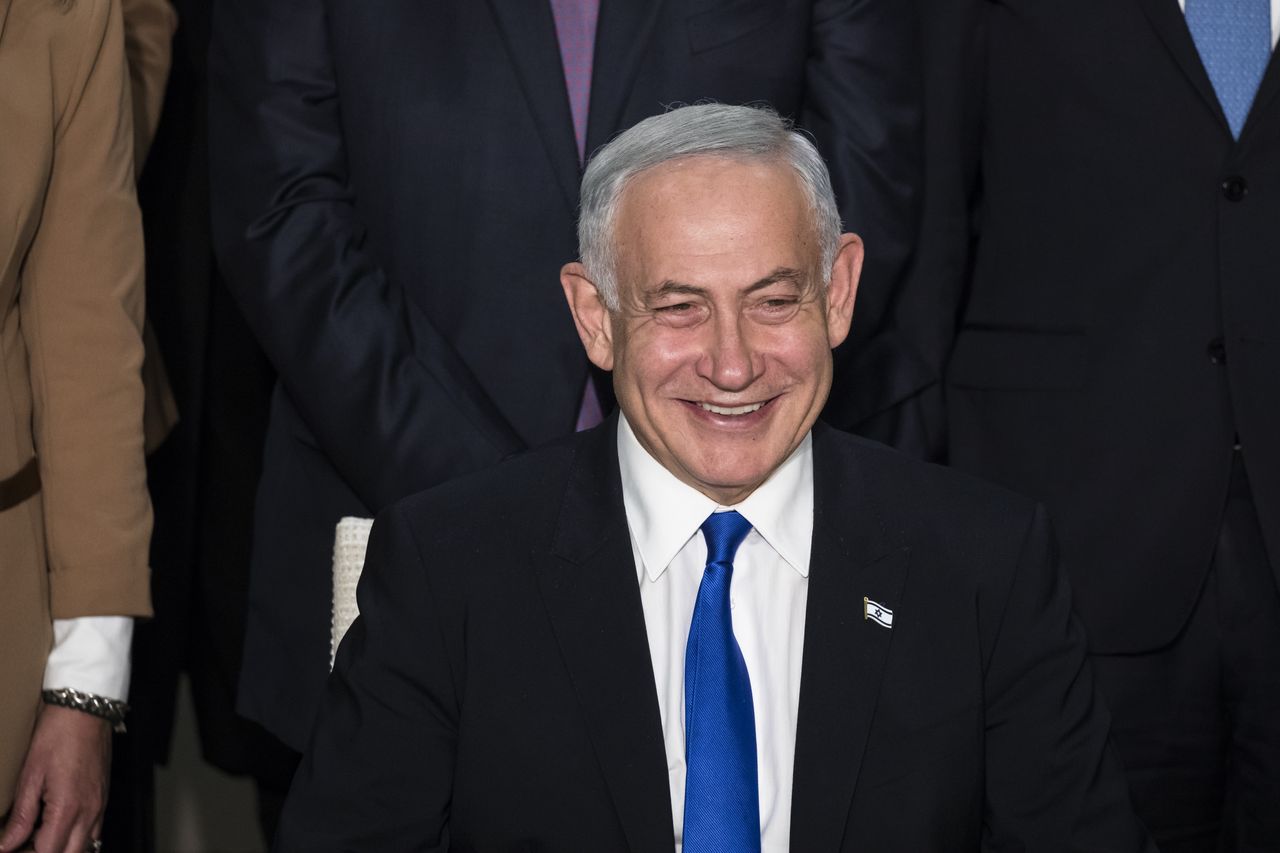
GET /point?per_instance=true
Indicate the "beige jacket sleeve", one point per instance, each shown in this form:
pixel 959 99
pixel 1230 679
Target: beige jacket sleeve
pixel 148 44
pixel 81 303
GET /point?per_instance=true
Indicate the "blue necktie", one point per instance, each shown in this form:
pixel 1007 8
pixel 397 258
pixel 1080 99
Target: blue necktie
pixel 721 797
pixel 1234 40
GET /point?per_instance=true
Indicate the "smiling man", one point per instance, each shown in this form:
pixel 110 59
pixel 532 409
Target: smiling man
pixel 712 624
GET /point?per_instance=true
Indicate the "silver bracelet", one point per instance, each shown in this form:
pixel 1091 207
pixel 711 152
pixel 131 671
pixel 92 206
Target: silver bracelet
pixel 111 710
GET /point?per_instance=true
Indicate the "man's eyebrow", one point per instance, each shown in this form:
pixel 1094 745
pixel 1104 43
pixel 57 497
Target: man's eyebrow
pixel 670 286
pixel 780 274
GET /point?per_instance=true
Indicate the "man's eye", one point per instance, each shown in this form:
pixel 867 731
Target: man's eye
pixel 776 309
pixel 680 314
pixel 780 306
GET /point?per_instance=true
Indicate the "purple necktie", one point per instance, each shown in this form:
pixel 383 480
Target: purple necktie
pixel 576 33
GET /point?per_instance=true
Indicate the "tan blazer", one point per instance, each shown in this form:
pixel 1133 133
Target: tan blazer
pixel 71 306
pixel 148 50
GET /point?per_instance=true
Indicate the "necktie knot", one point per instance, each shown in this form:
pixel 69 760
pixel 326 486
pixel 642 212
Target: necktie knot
pixel 724 532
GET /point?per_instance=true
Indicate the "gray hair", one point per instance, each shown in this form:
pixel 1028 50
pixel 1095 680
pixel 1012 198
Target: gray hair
pixel 753 133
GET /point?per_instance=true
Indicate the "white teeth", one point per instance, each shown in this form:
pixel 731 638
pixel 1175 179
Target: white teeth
pixel 731 410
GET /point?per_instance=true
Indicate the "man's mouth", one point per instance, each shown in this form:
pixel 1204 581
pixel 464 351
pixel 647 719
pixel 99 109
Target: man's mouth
pixel 731 410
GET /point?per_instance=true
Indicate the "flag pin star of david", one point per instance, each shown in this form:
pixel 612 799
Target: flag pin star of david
pixel 877 612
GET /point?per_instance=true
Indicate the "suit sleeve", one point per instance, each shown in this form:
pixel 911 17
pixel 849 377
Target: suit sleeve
pixel 390 402
pixel 81 305
pixel 379 770
pixel 930 304
pixel 148 41
pixel 863 104
pixel 1053 782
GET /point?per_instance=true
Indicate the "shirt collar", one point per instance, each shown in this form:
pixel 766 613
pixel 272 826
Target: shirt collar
pixel 664 513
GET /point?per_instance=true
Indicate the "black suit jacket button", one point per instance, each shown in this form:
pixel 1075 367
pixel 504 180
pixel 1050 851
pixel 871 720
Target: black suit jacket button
pixel 1217 351
pixel 1235 188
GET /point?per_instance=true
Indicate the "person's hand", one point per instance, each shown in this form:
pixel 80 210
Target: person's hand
pixel 63 783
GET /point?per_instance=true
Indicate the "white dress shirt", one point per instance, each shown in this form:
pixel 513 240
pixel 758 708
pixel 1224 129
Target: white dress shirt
pixel 767 598
pixel 1275 19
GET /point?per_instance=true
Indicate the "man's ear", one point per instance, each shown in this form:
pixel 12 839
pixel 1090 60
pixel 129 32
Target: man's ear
pixel 589 314
pixel 845 273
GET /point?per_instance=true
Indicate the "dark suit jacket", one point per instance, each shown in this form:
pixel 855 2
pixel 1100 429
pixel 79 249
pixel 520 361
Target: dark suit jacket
pixel 1121 325
pixel 394 192
pixel 497 692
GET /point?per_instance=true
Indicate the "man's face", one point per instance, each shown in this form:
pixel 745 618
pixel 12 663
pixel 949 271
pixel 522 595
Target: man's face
pixel 721 349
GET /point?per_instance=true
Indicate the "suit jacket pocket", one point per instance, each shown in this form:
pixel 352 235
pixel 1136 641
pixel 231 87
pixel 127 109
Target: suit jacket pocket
pixel 1019 359
pixel 716 27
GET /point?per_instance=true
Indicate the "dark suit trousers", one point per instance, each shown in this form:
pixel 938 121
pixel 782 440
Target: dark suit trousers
pixel 1197 723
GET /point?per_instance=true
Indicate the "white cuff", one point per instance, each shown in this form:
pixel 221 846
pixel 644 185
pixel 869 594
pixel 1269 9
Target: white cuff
pixel 91 654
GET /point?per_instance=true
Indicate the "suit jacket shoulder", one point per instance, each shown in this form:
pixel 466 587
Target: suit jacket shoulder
pixel 517 499
pixel 469 662
pixel 917 502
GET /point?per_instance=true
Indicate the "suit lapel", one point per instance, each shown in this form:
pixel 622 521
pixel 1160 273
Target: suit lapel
pixel 529 32
pixel 588 585
pixel 622 36
pixel 844 653
pixel 1171 25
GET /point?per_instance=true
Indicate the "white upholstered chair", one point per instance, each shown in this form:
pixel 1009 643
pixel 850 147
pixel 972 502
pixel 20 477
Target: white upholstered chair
pixel 350 539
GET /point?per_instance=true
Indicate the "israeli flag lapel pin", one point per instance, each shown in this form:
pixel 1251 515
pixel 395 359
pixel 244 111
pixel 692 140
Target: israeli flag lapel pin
pixel 877 613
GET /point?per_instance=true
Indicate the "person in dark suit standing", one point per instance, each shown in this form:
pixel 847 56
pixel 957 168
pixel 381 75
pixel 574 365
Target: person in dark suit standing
pixel 710 624
pixel 203 476
pixel 1116 357
pixel 394 190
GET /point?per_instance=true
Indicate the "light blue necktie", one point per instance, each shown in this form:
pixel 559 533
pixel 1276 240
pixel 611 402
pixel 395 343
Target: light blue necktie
pixel 1234 40
pixel 721 796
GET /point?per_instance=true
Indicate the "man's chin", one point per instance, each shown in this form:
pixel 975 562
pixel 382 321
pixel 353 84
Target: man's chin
pixel 728 473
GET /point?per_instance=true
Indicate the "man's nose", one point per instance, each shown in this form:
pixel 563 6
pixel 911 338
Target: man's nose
pixel 729 362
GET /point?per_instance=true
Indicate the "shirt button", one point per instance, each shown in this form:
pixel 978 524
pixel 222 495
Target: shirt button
pixel 1235 188
pixel 1217 351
